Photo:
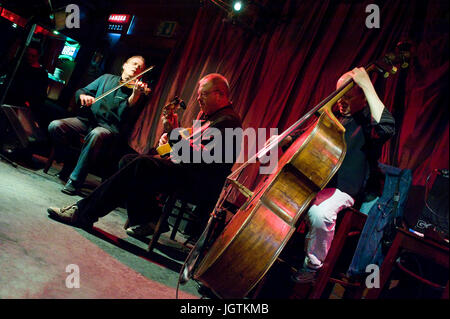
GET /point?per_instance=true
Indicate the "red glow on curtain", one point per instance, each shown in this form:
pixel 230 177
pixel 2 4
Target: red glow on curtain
pixel 277 77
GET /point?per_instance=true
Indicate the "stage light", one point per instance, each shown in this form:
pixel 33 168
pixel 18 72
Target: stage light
pixel 237 6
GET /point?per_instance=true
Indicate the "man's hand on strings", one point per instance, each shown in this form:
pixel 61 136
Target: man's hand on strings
pixel 139 87
pixel 164 139
pixel 361 78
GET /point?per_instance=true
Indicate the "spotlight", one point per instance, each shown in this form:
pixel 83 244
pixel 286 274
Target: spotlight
pixel 237 6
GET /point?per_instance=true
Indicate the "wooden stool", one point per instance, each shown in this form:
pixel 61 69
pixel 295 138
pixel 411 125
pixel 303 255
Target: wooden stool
pixel 351 225
pixel 183 214
pixel 408 241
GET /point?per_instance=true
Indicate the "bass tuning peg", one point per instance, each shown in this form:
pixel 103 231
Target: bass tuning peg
pixel 404 64
pixel 393 69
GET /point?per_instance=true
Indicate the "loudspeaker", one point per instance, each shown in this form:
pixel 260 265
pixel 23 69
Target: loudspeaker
pixel 19 130
pixel 434 210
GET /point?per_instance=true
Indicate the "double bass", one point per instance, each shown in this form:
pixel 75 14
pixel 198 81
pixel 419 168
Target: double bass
pixel 233 262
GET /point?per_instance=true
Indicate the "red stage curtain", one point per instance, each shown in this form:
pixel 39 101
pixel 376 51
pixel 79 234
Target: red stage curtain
pixel 278 76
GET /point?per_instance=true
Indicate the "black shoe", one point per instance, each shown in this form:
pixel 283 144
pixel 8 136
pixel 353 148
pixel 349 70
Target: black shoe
pixel 145 230
pixel 70 188
pixel 63 176
pixel 65 172
pixel 304 275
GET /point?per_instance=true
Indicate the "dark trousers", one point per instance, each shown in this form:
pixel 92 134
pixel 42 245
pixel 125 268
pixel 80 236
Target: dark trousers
pixel 67 133
pixel 136 185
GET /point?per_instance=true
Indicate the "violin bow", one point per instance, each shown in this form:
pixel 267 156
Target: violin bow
pixel 122 84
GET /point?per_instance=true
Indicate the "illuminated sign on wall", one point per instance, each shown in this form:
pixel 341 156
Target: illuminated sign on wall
pixel 119 18
pixel 119 23
pixel 11 16
pixel 19 21
pixel 115 28
pixel 69 50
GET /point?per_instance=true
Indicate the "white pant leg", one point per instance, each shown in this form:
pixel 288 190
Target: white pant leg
pixel 322 221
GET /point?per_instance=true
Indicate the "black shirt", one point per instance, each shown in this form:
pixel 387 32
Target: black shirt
pixel 202 142
pixel 364 138
pixel 211 174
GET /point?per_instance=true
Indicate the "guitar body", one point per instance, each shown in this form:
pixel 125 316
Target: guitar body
pixel 165 149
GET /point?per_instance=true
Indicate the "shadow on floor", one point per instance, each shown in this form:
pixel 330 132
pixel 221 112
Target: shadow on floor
pixel 176 253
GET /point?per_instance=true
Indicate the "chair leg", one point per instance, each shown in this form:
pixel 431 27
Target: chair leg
pixel 386 267
pixel 162 219
pixel 50 160
pixel 178 220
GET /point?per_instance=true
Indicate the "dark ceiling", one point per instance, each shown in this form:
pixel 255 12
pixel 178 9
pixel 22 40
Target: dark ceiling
pixel 148 15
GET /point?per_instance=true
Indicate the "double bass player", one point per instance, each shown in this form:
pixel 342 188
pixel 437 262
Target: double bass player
pixel 368 125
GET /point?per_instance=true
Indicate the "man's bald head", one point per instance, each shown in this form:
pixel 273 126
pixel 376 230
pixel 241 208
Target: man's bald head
pixel 344 78
pixel 217 82
pixel 353 99
pixel 213 93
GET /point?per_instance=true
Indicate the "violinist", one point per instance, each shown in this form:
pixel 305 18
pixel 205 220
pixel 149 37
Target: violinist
pixel 368 126
pixel 142 178
pixel 102 124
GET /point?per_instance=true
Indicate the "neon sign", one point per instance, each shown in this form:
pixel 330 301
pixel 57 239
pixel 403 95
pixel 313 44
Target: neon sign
pixel 119 23
pixel 119 18
pixel 69 50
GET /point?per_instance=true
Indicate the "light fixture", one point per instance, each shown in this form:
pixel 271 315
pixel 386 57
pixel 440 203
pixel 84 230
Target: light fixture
pixel 237 6
pixel 232 7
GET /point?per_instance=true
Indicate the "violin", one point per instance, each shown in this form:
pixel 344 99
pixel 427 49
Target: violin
pixel 132 84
